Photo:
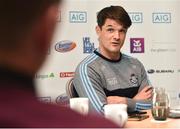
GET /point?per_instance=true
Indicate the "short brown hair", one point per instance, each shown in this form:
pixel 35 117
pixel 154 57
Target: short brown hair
pixel 116 13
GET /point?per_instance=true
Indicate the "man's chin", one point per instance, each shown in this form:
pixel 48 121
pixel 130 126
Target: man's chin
pixel 115 50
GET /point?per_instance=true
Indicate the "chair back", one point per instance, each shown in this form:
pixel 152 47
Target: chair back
pixel 70 90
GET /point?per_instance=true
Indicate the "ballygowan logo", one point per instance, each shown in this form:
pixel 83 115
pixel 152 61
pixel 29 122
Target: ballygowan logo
pixel 65 46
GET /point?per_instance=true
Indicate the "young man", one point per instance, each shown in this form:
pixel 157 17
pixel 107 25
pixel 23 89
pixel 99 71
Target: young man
pixel 26 30
pixel 108 76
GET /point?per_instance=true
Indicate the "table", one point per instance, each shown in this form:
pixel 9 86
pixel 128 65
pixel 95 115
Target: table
pixel 151 123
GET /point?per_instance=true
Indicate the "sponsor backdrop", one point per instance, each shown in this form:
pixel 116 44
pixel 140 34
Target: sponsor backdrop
pixel 153 38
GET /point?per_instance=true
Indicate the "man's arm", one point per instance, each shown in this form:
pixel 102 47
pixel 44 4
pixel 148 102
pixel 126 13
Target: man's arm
pixel 116 99
pixel 145 93
pixel 87 82
pixel 142 100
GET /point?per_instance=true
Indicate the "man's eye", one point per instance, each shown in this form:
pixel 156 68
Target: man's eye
pixel 110 30
pixel 122 31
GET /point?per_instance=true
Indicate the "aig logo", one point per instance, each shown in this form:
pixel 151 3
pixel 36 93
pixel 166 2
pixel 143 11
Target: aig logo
pixel 161 17
pixel 77 17
pixel 136 17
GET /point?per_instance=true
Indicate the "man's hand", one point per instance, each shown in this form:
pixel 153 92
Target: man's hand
pixel 145 93
pixel 116 100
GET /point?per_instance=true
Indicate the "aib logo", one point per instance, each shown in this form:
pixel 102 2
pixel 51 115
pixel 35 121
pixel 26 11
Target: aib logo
pixel 77 17
pixel 88 47
pixel 161 17
pixel 137 45
pixel 136 17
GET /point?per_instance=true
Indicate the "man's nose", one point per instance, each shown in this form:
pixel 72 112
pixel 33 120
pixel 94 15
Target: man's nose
pixel 117 35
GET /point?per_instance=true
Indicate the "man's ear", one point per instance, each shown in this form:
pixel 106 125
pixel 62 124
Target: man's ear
pixel 98 30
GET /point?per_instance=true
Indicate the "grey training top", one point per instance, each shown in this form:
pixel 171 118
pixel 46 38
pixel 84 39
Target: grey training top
pixel 97 77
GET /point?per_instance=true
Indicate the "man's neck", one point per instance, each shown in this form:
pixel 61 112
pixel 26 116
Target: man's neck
pixel 107 59
pixel 110 55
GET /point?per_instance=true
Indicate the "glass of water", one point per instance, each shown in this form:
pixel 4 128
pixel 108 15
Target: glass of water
pixel 160 104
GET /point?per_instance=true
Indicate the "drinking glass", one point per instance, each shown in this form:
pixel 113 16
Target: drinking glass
pixel 160 104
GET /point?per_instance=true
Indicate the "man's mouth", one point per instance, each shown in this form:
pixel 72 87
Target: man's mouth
pixel 115 43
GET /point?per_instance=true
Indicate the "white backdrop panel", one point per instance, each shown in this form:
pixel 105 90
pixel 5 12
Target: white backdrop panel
pixel 154 21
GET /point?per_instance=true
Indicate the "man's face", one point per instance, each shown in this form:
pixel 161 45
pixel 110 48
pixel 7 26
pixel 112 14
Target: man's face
pixel 111 37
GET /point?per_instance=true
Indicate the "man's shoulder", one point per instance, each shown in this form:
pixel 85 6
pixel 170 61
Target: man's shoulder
pixel 89 59
pixel 130 59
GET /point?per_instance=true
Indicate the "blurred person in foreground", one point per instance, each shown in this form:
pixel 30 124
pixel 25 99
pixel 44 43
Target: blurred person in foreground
pixel 108 76
pixel 26 30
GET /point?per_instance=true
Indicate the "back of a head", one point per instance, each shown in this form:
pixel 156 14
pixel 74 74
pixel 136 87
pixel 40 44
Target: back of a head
pixel 17 17
pixel 116 13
